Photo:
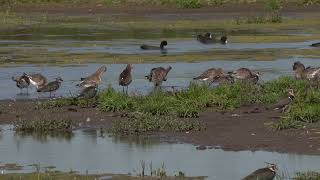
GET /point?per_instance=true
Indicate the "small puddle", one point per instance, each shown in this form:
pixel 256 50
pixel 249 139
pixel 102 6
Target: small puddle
pixel 87 151
pixel 180 76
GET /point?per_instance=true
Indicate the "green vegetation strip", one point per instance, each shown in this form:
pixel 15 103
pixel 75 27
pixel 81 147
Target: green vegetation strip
pixel 165 111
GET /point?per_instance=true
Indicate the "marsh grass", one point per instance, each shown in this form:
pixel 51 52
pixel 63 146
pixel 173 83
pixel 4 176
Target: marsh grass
pixel 141 123
pixel 44 123
pixel 311 175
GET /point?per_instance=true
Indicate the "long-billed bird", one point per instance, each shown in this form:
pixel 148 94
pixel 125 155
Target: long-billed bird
pixel 158 75
pixel 94 79
pixel 210 75
pixel 125 78
pixel 245 74
pixel 267 173
pixel 88 93
pixel 51 86
pixel 22 82
pixel 37 80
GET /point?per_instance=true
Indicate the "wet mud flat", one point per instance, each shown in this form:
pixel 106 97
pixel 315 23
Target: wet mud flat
pixel 246 128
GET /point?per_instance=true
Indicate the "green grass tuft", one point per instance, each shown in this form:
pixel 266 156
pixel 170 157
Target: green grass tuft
pixel 44 124
pixel 139 123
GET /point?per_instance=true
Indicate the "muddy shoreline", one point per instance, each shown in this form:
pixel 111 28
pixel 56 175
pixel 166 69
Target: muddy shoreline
pixel 247 128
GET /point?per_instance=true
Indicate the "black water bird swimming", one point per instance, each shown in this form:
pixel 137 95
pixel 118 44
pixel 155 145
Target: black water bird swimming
pixel 125 78
pixel 149 47
pixel 51 86
pixel 208 38
pixel 315 44
pixel 22 82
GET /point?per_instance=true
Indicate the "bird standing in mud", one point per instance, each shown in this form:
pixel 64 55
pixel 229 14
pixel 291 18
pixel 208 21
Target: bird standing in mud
pixel 158 75
pixel 94 79
pixel 210 75
pixel 125 78
pixel 283 104
pixel 309 73
pixel 88 93
pixel 22 82
pixel 37 80
pixel 267 173
pixel 245 74
pixel 51 86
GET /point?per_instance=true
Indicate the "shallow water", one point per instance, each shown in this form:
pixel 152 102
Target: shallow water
pixel 132 46
pixel 86 150
pixel 180 76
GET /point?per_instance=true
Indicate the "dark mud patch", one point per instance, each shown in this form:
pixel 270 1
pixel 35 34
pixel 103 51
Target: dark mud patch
pixel 247 128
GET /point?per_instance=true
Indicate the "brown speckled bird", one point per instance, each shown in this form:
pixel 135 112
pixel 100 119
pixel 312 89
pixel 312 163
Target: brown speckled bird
pixel 94 79
pixel 37 80
pixel 284 103
pixel 245 74
pixel 158 75
pixel 22 82
pixel 125 77
pixel 51 86
pixel 310 73
pixel 267 173
pixel 210 75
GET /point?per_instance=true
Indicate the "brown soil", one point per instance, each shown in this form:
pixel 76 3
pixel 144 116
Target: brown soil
pixel 226 11
pixel 247 128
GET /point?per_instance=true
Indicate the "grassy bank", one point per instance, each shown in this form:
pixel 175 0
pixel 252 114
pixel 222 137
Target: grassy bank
pixel 167 3
pixel 165 111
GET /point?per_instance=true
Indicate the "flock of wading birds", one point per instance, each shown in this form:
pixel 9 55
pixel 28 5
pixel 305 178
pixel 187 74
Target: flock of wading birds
pixel 159 74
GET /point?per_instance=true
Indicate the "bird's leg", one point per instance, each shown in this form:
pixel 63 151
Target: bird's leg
pixel 20 91
pixel 27 91
pixel 50 94
pixel 127 90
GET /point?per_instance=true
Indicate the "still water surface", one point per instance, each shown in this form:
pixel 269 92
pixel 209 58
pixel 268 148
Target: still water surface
pixel 86 150
pixel 180 76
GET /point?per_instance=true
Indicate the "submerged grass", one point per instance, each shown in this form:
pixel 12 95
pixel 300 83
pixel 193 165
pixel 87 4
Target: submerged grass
pixel 44 123
pixel 311 175
pixel 140 123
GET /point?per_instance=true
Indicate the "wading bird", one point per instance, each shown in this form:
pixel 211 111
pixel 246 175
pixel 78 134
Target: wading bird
pixel 125 78
pixel 245 74
pixel 22 82
pixel 51 86
pixel 158 75
pixel 94 79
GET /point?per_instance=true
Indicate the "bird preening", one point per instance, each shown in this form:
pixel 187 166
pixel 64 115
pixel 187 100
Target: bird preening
pixel 94 79
pixel 22 82
pixel 158 75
